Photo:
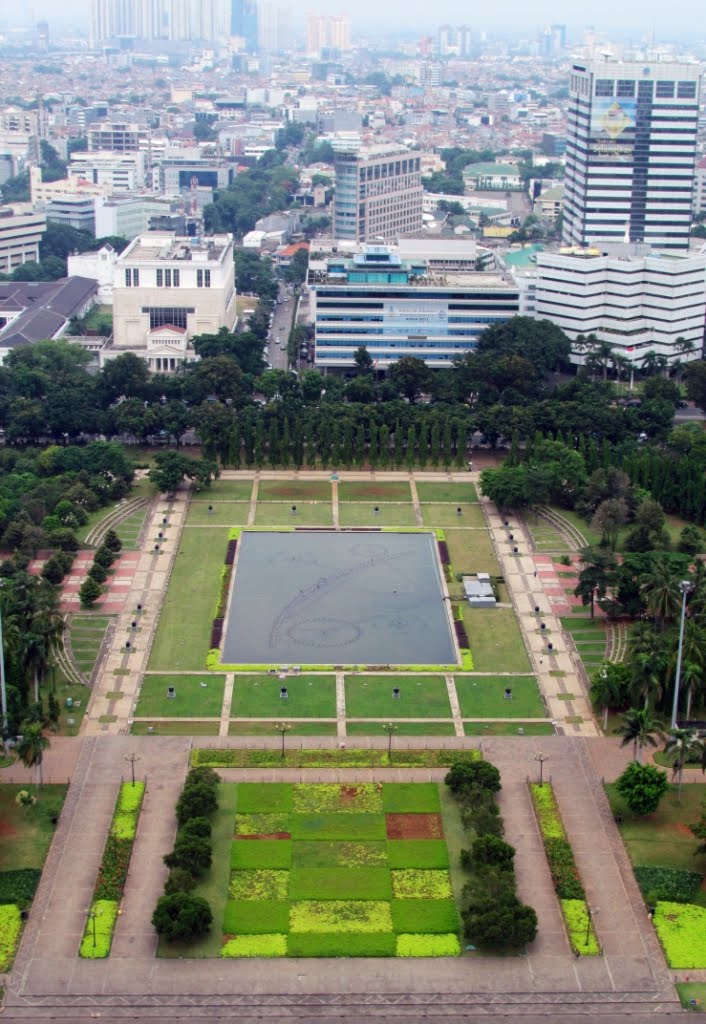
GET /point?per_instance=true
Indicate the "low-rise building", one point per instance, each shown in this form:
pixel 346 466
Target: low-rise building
pixel 492 177
pixel 21 231
pixel 421 306
pixel 96 266
pixel 120 172
pixel 166 290
pixel 35 311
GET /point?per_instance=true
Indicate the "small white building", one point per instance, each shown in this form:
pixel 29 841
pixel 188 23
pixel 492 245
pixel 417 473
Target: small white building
pixel 99 267
pixel 479 591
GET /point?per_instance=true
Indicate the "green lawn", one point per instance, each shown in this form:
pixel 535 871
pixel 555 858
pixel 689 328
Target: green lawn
pixel 471 551
pixel 443 491
pixel 27 832
pixel 259 697
pixel 129 529
pixel 508 728
pixel 270 729
pixel 224 513
pixel 358 514
pixel 192 700
pixel 420 697
pixel 86 635
pixel 663 839
pixel 447 515
pixel 496 640
pixel 184 630
pixel 294 490
pixel 692 994
pixel 175 727
pixel 230 490
pixel 483 697
pixel 71 718
pixel 401 729
pixel 374 491
pixel 314 513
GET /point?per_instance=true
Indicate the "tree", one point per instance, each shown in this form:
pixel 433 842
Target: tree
pixel 31 747
pixel 194 853
pixel 112 542
pixel 596 576
pixel 466 774
pixel 89 593
pixel 181 916
pixel 494 851
pixel 690 540
pixel 610 515
pixel 540 342
pixel 683 745
pixel 196 801
pixel 363 361
pixel 500 923
pixel 642 786
pixel 410 377
pixel 640 728
pixel 169 470
pixel 610 686
pixel 660 591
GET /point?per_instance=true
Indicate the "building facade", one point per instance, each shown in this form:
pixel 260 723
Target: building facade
pixel 700 187
pixel 638 304
pixel 168 289
pixel 378 194
pixel 630 153
pixel 119 172
pixel 21 231
pixel 432 307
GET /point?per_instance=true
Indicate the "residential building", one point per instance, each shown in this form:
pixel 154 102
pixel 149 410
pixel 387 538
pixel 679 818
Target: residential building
pixel 243 23
pixel 21 231
pixel 116 136
pixel 166 290
pixel 630 153
pixel 638 304
pixel 432 306
pixel 548 203
pixel 327 33
pixel 378 193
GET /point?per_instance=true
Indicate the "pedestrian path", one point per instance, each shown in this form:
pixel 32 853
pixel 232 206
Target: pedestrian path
pixel 455 706
pixel 227 702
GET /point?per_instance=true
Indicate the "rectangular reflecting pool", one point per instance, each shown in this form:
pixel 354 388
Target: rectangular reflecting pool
pixel 328 598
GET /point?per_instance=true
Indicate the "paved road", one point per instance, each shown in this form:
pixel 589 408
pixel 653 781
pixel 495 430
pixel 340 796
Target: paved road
pixel 281 324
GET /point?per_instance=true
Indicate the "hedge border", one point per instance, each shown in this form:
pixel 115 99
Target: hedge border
pixel 235 757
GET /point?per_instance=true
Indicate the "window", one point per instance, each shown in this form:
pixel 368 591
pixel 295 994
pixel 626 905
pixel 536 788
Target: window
pixel 128 278
pixel 160 278
pixel 686 90
pixel 136 279
pixel 626 87
pixel 167 278
pixel 203 278
pixel 175 316
pixel 604 86
pixel 665 90
pixel 175 278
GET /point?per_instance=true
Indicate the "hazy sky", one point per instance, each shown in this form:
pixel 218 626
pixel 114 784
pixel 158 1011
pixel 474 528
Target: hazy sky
pixel 678 19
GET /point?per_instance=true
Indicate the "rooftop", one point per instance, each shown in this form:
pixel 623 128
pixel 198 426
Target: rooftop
pixel 168 246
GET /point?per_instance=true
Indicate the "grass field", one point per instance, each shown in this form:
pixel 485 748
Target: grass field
pixel 174 727
pixel 311 513
pixel 326 870
pixel 294 490
pixel 312 728
pixel 447 515
pixel 420 697
pixel 508 728
pixel 692 994
pixel 359 514
pixel 182 638
pixel 374 491
pixel 483 697
pixel 223 513
pixel 228 490
pixel 192 700
pixel 442 491
pixel 86 635
pixel 401 729
pixel 28 831
pixel 496 640
pixel 472 551
pixel 308 697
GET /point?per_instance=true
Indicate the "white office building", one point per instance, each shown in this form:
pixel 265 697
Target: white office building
pixel 167 290
pixel 638 304
pixel 630 153
pixel 118 172
pixel 21 231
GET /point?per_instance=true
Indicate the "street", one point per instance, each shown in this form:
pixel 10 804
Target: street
pixel 279 331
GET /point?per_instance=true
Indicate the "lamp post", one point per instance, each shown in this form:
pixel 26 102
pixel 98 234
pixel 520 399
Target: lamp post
pixel 389 728
pixel 589 917
pixel 283 728
pixel 92 915
pixel 685 587
pixel 132 758
pixel 541 758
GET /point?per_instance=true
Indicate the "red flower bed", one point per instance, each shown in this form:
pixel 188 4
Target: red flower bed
pixel 414 826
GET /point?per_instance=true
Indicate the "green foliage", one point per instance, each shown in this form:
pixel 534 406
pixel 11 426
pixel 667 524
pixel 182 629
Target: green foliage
pixel 193 853
pixel 199 828
pixel 544 801
pixel 255 945
pixel 242 917
pixel 493 850
pixel 340 916
pixel 19 886
pixel 89 592
pixel 673 885
pixel 113 868
pixel 482 774
pixel 98 936
pixel 318 798
pixel 196 801
pixel 337 944
pixel 182 916
pixel 582 936
pixel 127 810
pixel 241 758
pixel 417 853
pixel 681 928
pixel 428 945
pixel 430 916
pixel 264 853
pixel 560 857
pixel 180 880
pixel 10 928
pixel 642 786
pixel 415 883
pixel 259 885
pixel 500 923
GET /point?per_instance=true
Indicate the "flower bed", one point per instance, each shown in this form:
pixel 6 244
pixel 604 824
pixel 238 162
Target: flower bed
pixel 564 871
pixel 239 758
pixel 428 945
pixel 681 928
pixel 112 872
pixel 10 928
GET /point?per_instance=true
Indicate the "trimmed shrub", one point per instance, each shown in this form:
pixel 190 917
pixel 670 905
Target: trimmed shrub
pixel 98 936
pixel 104 556
pixel 476 774
pixel 114 867
pixel 196 827
pixel 498 923
pixel 89 592
pixel 673 885
pixel 196 801
pixel 181 916
pixel 98 573
pixel 492 850
pixel 180 880
pixel 564 871
pixel 53 571
pixel 19 886
pixel 192 853
pixel 10 928
pixel 642 786
pixel 112 542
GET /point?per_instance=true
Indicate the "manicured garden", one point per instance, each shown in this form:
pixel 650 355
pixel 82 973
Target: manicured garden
pixel 308 513
pixel 195 696
pixel 448 515
pixel 307 697
pixel 496 640
pixel 371 696
pixel 429 490
pixel 374 491
pixel 364 514
pixel 337 758
pixel 485 697
pixel 86 635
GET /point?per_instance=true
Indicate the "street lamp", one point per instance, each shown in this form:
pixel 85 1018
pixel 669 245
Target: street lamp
pixel 541 758
pixel 589 916
pixel 92 915
pixel 132 758
pixel 283 728
pixel 685 587
pixel 390 729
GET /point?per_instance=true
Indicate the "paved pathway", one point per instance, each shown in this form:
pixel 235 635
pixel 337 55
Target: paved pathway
pixel 224 724
pixel 455 706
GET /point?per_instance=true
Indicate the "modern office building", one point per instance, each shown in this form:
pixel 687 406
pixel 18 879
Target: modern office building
pixel 120 172
pixel 700 187
pixel 638 304
pixel 21 231
pixel 243 23
pixel 168 289
pixel 378 194
pixel 116 136
pixel 400 302
pixel 630 153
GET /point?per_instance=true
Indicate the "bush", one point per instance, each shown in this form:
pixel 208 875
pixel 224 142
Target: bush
pixel 642 786
pixel 113 869
pixel 192 853
pixel 674 885
pixel 104 556
pixel 112 542
pixel 492 850
pixel 681 928
pixel 98 573
pixel 19 886
pixel 578 926
pixel 53 571
pixel 65 559
pixel 199 828
pixel 196 801
pixel 10 928
pixel 203 776
pixel 464 775
pixel 180 880
pixel 181 916
pixel 499 923
pixel 564 872
pixel 89 593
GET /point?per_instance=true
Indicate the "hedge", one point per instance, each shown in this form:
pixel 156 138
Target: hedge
pixel 675 885
pixel 19 886
pixel 10 928
pixel 335 758
pixel 325 945
pixel 681 928
pixel 564 871
pixel 113 870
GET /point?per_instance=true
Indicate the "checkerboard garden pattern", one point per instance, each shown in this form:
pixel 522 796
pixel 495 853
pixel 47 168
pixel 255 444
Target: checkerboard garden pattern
pixel 339 870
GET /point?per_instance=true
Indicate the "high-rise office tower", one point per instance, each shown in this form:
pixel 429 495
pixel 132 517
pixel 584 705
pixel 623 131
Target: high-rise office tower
pixel 243 22
pixel 378 193
pixel 630 153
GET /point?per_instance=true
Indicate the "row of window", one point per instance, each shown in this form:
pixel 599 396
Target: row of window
pixel 625 88
pixel 167 278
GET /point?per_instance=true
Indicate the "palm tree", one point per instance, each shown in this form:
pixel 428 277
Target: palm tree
pixel 647 682
pixel 640 728
pixel 660 592
pixel 609 689
pixel 681 745
pixel 30 749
